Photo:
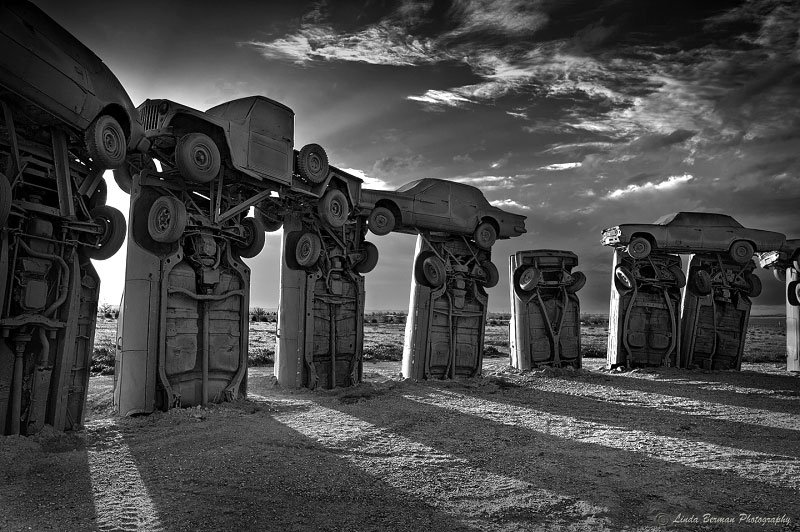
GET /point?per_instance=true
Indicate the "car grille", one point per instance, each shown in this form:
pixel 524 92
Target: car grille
pixel 149 117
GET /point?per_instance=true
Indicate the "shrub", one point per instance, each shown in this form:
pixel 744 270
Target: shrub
pixel 261 357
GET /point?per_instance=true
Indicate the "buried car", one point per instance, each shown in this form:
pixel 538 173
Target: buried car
pixel 693 232
pixel 439 205
pixel 50 74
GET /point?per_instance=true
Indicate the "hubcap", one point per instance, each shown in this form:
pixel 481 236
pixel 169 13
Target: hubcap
pixel 202 157
pixel 111 141
pixel 314 163
pixel 164 219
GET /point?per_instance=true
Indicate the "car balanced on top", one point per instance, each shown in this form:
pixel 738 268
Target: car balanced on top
pixel 693 232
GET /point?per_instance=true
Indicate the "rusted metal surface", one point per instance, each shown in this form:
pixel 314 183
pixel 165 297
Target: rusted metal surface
pixel 545 325
pixel 48 286
pixel 447 308
pixel 644 315
pixel 184 325
pixel 716 310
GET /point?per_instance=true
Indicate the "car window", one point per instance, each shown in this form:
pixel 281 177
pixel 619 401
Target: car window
pixel 408 186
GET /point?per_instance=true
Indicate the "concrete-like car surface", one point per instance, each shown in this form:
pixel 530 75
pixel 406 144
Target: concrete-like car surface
pixel 41 63
pixel 693 232
pixel 437 205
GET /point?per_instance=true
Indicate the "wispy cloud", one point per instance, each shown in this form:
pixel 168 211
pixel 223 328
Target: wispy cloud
pixel 510 204
pixel 560 166
pixel 669 183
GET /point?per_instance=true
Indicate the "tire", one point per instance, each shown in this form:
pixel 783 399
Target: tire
pixel 796 264
pixel 779 274
pixel 197 157
pixel 5 200
pixel 680 277
pixel 701 283
pixel 289 247
pixel 429 270
pixel 100 195
pixel 333 209
pixel 741 251
pixel 134 164
pixel 307 250
pixel 166 220
pixel 526 278
pixel 639 248
pixel 381 221
pixel 793 293
pixel 623 279
pixel 578 281
pixel 485 235
pixel 114 228
pixel 106 142
pixel 492 275
pixel 370 260
pixel 270 222
pixel 255 238
pixel 754 286
pixel 312 164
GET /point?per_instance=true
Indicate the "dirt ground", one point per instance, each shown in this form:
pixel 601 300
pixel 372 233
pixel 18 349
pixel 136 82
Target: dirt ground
pixel 548 449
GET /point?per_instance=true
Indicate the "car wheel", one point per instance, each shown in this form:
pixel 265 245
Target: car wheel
pixel 793 293
pixel 680 277
pixel 779 274
pixel 429 270
pixel 623 279
pixel 333 209
pixel 271 222
pixel 254 238
pixel 5 200
pixel 134 164
pixel 753 284
pixel 197 157
pixel 492 276
pixel 485 235
pixel 526 278
pixel 105 142
pixel 166 220
pixel 381 221
pixel 370 260
pixel 578 281
pixel 114 228
pixel 741 251
pixel 312 164
pixel 639 247
pixel 307 250
pixel 701 283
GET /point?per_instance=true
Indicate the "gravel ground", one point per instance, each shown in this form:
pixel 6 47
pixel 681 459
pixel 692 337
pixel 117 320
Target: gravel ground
pixel 549 449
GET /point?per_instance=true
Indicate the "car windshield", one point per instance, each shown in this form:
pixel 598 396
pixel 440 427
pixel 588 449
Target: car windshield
pixel 667 218
pixel 410 185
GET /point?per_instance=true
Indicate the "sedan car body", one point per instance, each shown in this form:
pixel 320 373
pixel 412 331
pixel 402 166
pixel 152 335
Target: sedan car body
pixel 441 205
pixel 693 232
pixel 43 64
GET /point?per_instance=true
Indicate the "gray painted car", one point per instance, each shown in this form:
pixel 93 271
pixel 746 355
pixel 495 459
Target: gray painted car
pixel 439 205
pixel 58 80
pixel 693 232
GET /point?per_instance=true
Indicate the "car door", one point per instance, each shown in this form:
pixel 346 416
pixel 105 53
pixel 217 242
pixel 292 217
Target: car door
pixel 270 144
pixel 432 206
pixel 45 72
pixel 681 233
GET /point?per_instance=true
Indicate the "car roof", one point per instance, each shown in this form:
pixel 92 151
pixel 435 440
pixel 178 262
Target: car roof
pixel 247 100
pixel 702 219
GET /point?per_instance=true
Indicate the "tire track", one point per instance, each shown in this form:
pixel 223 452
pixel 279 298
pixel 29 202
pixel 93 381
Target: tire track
pixel 121 500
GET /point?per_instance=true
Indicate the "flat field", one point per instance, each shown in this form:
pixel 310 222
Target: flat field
pixel 550 449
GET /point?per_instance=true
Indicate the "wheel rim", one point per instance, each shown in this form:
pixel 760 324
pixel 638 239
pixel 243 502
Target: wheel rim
pixel 624 279
pixel 741 252
pixel 381 222
pixel 431 272
pixel 247 234
pixel 201 157
pixel 106 232
pixel 305 250
pixel 639 248
pixel 163 220
pixel 526 277
pixel 112 143
pixel 335 209
pixel 484 235
pixel 314 163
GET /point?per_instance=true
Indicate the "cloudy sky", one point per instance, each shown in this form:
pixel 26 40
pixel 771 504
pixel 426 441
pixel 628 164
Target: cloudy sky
pixel 578 114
